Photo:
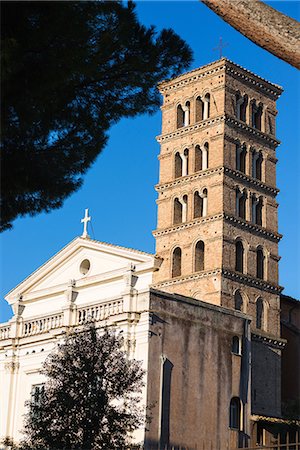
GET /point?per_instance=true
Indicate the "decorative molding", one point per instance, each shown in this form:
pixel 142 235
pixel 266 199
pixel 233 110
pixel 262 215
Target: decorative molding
pixel 271 341
pixel 233 121
pixel 184 225
pixel 252 227
pixel 252 181
pixel 252 281
pixel 194 276
pixel 187 179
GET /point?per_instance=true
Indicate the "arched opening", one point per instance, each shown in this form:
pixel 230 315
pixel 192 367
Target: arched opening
pixel 199 109
pixel 238 301
pixel 184 208
pixel 236 346
pixel 206 111
pixel 185 167
pixel 256 116
pixel 258 166
pixel 260 313
pixel 178 165
pixel 180 117
pixel 235 413
pixel 198 158
pixel 186 114
pixel 260 263
pixel 241 106
pixel 199 256
pixel 259 212
pixel 243 111
pixel 204 197
pixel 177 211
pixel 205 156
pixel 241 204
pixel 198 205
pixel 241 153
pixel 239 257
pixel 176 262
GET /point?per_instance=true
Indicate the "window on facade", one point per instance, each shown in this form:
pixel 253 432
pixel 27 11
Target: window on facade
pixel 235 413
pixel 258 167
pixel 176 262
pixel 260 262
pixel 238 301
pixel 259 313
pixel 235 345
pixel 199 256
pixel 239 257
pixel 205 156
pixel 256 116
pixel 241 204
pixel 198 205
pixel 185 169
pixel 178 165
pixel 198 158
pixel 37 392
pixel 241 153
pixel 199 109
pixel 186 114
pixel 241 106
pixel 180 117
pixel 177 211
pixel 259 212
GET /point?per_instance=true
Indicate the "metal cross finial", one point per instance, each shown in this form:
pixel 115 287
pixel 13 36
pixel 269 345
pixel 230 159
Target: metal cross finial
pixel 85 221
pixel 221 46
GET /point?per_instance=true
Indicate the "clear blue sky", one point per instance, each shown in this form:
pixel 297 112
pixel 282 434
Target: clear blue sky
pixel 119 188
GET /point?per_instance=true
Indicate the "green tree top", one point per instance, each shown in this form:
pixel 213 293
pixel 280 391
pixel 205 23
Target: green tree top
pixel 69 71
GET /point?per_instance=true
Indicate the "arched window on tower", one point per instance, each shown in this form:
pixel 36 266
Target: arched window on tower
pixel 206 110
pixel 180 117
pixel 185 164
pixel 238 301
pixel 199 109
pixel 241 106
pixel 177 211
pixel 176 262
pixel 198 158
pixel 257 205
pixel 186 114
pixel 198 205
pixel 241 153
pixel 239 257
pixel 178 165
pixel 260 313
pixel 235 413
pixel 199 256
pixel 260 263
pixel 205 151
pixel 241 204
pixel 256 115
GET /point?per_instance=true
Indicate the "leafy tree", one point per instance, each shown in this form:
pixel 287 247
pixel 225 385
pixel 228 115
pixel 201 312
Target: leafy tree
pixel 69 71
pixel 91 397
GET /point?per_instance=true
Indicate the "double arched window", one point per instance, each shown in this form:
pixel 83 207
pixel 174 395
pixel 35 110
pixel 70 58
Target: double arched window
pixel 256 209
pixel 201 157
pixel 241 106
pixel 241 153
pixel 256 115
pixel 257 161
pixel 176 262
pixel 182 163
pixel 183 115
pixel 241 198
pixel 180 210
pixel 260 263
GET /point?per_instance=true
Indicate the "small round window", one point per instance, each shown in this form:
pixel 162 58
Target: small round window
pixel 85 266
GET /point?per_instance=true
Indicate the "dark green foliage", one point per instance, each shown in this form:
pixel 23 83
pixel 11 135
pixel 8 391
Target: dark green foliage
pixel 90 380
pixel 69 71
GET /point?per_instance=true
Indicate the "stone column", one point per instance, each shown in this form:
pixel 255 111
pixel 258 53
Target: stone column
pixel 69 308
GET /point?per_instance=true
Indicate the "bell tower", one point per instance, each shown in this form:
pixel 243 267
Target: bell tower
pixel 217 211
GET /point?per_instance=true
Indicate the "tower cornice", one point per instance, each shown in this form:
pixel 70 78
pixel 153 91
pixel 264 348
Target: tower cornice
pixel 247 226
pixel 224 118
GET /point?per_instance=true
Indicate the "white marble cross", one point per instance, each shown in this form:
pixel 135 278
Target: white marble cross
pixel 85 221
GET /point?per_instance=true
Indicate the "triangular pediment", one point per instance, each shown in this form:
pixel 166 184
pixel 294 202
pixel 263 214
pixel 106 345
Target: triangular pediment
pixel 81 259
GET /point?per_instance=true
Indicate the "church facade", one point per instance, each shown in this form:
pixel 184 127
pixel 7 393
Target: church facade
pixel 203 313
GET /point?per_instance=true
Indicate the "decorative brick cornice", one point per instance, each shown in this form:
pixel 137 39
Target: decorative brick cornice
pixel 269 340
pixel 191 128
pixel 252 281
pixel 185 225
pixel 253 181
pixel 243 224
pixel 187 179
pixel 234 122
pixel 192 277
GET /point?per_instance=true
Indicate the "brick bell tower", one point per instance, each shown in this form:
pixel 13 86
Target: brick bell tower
pixel 217 211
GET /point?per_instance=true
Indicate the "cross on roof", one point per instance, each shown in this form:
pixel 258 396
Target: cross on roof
pixel 221 46
pixel 85 221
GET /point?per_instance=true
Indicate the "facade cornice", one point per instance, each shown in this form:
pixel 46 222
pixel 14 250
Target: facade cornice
pixel 182 226
pixel 238 124
pixel 252 281
pixel 248 226
pixel 183 279
pixel 235 174
pixel 224 118
pixel 272 341
pixel 187 179
pixel 190 129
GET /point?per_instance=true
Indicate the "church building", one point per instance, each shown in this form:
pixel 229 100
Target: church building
pixel 204 313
